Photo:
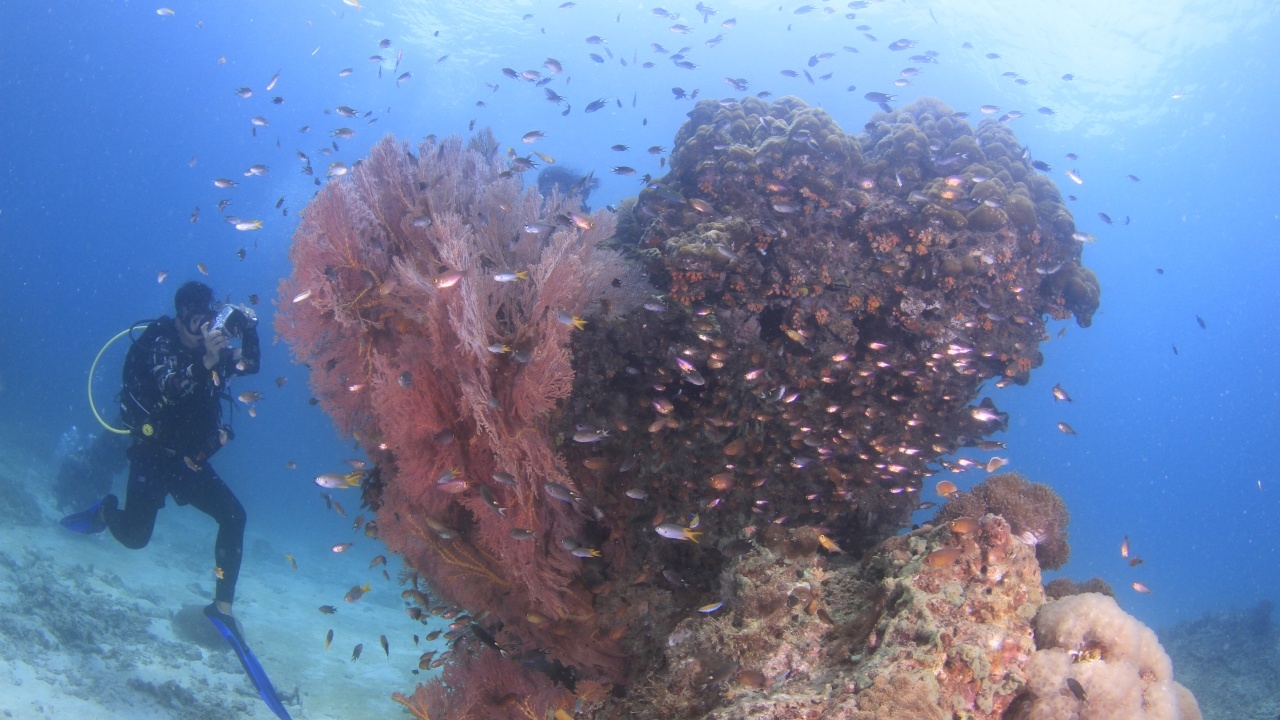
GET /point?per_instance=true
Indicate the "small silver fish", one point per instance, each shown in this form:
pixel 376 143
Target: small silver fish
pixel 559 492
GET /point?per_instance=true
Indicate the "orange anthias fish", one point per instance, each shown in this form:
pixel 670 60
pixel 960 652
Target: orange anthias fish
pixel 1141 588
pixel 942 558
pixel 1124 547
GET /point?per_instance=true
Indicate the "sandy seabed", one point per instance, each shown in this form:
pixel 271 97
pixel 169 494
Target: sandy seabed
pixel 92 630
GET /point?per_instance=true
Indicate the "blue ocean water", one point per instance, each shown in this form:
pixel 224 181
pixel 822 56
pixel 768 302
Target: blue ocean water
pixel 117 119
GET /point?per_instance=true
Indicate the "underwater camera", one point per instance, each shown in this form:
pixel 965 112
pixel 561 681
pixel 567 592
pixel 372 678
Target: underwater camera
pixel 231 321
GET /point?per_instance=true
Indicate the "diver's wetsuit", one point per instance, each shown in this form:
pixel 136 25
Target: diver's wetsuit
pixel 169 391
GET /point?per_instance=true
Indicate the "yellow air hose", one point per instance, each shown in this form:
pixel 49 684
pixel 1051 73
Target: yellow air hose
pixel 93 368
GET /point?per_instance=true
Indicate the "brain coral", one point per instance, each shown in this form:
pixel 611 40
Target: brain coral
pixel 1122 671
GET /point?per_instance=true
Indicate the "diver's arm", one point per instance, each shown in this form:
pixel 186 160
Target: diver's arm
pixel 250 353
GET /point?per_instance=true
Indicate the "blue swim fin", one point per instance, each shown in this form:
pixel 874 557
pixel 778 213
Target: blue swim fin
pixel 87 521
pixel 227 626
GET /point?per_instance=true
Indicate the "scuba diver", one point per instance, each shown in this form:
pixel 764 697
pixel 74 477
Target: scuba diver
pixel 175 376
pixel 86 465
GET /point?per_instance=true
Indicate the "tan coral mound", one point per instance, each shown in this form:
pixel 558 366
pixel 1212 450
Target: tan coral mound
pixel 1122 671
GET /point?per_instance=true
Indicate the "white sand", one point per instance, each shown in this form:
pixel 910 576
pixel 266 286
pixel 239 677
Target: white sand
pixel 86 631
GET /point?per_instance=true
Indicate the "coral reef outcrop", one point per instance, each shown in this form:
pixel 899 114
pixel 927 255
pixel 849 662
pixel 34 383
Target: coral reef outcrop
pixel 1035 512
pixel 658 497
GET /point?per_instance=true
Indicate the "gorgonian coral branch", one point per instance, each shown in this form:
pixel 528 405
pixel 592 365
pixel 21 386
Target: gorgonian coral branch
pixel 427 297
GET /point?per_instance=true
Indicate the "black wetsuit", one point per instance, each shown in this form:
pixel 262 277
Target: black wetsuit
pixel 173 406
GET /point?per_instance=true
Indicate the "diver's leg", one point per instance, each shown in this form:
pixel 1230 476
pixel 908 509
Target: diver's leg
pixel 209 494
pixel 133 524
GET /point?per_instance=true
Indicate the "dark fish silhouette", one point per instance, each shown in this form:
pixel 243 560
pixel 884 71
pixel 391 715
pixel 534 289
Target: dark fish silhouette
pixel 1200 321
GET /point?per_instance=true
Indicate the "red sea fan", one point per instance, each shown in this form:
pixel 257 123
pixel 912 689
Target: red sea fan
pixel 482 685
pixel 446 370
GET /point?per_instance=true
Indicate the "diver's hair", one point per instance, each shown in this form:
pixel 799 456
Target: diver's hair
pixel 192 298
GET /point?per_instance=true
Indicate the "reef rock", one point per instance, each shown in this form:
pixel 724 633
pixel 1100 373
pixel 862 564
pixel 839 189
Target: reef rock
pixel 934 624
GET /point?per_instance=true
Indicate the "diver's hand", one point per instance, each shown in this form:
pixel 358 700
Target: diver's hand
pixel 250 314
pixel 215 341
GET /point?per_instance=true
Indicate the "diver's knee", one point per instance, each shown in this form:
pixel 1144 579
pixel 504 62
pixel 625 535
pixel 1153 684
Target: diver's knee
pixel 235 517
